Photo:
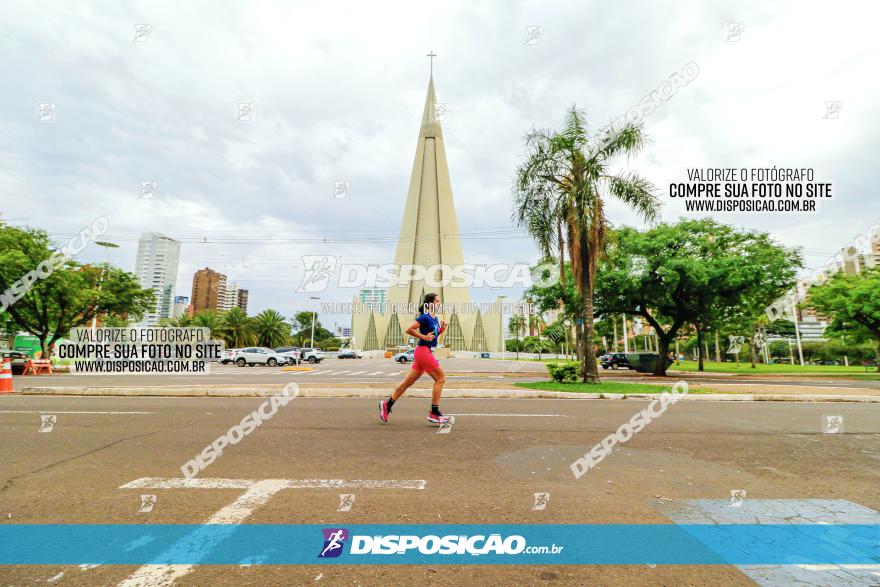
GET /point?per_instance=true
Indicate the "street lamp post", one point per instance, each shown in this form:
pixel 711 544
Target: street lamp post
pixel 501 321
pixel 314 315
pixel 108 246
pixel 797 330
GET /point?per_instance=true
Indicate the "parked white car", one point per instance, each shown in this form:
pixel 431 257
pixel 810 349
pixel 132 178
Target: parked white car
pixel 291 353
pixel 227 356
pixel 258 356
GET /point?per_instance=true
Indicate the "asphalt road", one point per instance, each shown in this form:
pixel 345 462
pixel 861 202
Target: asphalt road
pixel 486 470
pixel 381 371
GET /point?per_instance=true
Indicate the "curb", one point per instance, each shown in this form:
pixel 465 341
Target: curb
pixel 329 392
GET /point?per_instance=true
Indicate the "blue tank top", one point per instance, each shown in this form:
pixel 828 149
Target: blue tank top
pixel 428 325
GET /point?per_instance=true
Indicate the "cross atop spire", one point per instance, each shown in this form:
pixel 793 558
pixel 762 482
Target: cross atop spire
pixel 431 55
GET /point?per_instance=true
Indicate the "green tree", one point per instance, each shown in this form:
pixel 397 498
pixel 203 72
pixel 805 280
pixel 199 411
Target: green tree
pixel 239 331
pixel 853 303
pixel 214 320
pixel 561 191
pixel 69 296
pixel 302 327
pixel 271 329
pixel 695 271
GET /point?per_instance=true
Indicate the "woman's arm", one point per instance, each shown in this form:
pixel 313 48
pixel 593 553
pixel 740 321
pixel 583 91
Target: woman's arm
pixel 413 330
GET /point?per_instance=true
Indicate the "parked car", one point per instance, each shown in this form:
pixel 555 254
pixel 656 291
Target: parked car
pixel 312 355
pixel 227 356
pixel 292 353
pixel 258 356
pixel 615 361
pixel 405 356
pixel 349 354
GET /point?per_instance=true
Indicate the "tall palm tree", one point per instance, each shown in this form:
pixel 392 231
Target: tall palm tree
pixel 560 195
pixel 239 331
pixel 182 321
pixel 211 319
pixel 271 329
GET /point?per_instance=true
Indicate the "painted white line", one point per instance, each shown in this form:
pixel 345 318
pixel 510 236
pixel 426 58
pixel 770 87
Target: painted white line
pixel 217 483
pixel 377 373
pixel 357 373
pixel 203 540
pixel 519 415
pixel 257 493
pixel 64 412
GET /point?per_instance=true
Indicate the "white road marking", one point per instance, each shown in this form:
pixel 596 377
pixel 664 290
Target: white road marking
pixel 257 493
pixel 217 483
pixel 64 412
pixel 520 415
pixel 203 541
pixel 357 373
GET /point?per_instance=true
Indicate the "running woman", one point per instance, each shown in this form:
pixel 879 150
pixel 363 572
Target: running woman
pixel 427 328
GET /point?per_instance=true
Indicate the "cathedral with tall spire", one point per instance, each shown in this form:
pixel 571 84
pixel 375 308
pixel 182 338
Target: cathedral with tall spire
pixel 429 238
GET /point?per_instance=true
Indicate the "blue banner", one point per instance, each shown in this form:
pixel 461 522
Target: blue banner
pixel 660 544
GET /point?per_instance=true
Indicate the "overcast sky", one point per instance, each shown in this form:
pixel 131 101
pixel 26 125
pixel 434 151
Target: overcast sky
pixel 339 88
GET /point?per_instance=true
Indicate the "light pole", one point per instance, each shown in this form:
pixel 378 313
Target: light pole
pixel 108 246
pixel 797 330
pixel 625 341
pixel 314 315
pixel 501 320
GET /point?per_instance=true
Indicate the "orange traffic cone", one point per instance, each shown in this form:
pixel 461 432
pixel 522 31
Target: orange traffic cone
pixel 6 377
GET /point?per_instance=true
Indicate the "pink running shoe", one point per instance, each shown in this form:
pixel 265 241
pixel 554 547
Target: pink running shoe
pixel 384 412
pixel 437 419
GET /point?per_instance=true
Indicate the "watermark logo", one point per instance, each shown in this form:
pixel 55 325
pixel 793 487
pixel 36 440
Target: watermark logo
pixel 245 112
pixel 346 500
pixel 832 109
pixel 832 424
pixel 441 111
pixel 46 112
pixel 148 190
pixel 47 422
pixel 334 541
pixel 340 190
pixel 534 34
pixel 319 269
pixel 736 343
pixel 264 412
pixel 737 496
pixel 43 270
pixel 142 33
pixel 541 501
pixel 637 269
pixel 628 429
pixel 446 427
pixel 147 504
pixel 735 32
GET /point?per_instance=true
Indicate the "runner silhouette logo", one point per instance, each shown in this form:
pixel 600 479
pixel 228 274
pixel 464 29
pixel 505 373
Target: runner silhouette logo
pixel 334 541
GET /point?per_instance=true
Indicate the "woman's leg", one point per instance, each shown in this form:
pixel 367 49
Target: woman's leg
pixel 439 377
pixel 407 382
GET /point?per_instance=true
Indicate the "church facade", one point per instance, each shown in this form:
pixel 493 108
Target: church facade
pixel 429 238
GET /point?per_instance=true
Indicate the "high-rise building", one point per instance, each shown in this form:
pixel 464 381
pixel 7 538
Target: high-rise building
pixel 243 300
pixel 429 238
pixel 156 268
pixel 373 297
pixel 181 306
pixel 229 297
pixel 208 290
